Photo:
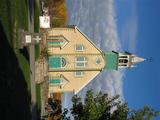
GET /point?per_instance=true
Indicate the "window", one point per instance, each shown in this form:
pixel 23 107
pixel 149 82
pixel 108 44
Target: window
pixel 54 81
pixel 56 41
pixel 98 61
pixel 79 74
pixel 81 61
pixel 123 61
pixel 79 47
pixel 57 81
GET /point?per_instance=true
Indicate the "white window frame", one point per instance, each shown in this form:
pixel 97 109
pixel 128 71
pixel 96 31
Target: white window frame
pixel 79 45
pixel 81 73
pixel 81 62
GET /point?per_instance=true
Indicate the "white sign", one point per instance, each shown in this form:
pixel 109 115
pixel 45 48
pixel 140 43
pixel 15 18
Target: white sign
pixel 44 21
pixel 28 38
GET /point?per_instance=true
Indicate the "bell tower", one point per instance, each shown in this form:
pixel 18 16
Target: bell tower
pixel 117 60
pixel 128 60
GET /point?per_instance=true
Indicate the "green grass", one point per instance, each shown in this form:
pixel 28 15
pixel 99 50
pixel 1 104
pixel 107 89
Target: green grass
pixel 24 65
pixel 37 13
pixel 14 15
pixel 37 51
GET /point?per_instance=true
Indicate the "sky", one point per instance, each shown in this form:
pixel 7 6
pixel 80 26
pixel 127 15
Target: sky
pixel 122 25
pixel 138 24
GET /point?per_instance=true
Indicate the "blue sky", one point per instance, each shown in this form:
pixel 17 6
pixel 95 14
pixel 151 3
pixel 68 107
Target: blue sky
pixel 140 19
pixel 129 25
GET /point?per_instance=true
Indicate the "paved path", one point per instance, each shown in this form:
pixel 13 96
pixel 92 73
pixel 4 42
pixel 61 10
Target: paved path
pixel 32 61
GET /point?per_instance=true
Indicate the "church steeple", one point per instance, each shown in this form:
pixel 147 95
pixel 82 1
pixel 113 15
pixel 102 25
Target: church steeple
pixel 115 60
pixel 128 60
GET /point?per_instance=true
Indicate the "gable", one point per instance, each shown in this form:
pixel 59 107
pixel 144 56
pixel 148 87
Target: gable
pixel 74 38
pixel 74 84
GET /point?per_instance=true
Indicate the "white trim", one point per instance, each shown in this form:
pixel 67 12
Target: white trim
pixel 75 92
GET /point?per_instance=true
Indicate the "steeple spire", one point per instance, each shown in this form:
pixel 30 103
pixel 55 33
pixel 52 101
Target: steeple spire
pixel 115 60
pixel 136 59
pixel 128 60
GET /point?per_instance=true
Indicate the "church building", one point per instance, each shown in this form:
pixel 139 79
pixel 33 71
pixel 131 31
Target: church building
pixel 74 60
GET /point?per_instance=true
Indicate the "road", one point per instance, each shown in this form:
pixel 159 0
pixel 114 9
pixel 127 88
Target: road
pixel 32 61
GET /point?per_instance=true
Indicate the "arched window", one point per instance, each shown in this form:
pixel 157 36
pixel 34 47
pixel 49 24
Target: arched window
pixel 56 41
pixel 123 61
pixel 64 62
pixel 58 81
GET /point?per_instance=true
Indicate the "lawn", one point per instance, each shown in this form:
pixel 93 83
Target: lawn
pixel 14 15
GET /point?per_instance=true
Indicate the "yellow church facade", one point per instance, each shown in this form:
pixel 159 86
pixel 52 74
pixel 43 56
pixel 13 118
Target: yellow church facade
pixel 74 60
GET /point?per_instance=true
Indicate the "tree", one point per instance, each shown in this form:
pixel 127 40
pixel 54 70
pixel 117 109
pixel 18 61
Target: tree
pixel 103 107
pixel 146 113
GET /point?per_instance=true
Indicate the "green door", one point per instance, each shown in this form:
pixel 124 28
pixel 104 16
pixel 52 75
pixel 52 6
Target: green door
pixel 54 62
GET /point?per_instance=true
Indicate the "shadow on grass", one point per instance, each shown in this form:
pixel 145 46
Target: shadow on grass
pixel 14 96
pixel 25 53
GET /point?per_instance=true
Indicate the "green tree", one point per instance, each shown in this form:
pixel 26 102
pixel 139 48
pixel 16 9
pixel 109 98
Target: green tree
pixel 103 107
pixel 145 113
